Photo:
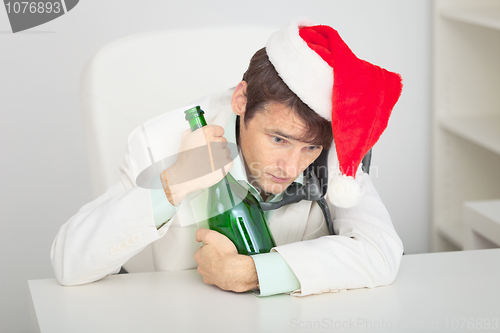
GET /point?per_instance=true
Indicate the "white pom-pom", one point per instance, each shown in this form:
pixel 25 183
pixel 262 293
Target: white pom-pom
pixel 345 191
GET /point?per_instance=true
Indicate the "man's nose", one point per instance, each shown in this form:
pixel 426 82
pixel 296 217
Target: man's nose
pixel 289 162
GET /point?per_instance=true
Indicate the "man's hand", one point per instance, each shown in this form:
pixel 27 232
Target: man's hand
pixel 220 264
pixel 202 155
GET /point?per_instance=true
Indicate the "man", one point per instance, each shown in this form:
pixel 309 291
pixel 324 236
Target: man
pixel 279 116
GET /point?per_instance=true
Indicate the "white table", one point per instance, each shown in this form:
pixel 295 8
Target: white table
pixel 454 291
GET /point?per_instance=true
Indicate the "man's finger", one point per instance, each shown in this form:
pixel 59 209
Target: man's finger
pixel 201 234
pixel 213 131
pixel 197 256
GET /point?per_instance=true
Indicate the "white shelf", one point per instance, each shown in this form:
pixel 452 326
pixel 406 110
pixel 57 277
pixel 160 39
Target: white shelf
pixel 484 17
pixel 483 131
pixel 466 118
pixel 483 217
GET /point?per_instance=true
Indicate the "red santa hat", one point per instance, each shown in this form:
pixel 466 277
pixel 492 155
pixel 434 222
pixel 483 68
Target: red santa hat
pixel 355 95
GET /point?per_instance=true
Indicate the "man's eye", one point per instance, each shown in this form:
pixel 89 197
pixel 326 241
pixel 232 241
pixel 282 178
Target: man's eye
pixel 277 140
pixel 311 148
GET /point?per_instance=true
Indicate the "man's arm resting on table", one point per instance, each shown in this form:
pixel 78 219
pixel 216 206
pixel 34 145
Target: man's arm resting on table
pixel 275 276
pixel 220 264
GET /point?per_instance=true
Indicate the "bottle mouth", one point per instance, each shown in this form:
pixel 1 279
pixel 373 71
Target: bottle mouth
pixel 193 112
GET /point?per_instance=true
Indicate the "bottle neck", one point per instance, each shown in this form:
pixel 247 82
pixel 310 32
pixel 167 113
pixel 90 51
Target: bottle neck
pixel 196 123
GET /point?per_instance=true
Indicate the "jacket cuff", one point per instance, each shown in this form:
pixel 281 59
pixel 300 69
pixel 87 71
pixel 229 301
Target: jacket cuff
pixel 163 210
pixel 275 276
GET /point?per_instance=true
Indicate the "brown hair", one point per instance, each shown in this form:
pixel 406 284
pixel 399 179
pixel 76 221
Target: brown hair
pixel 264 85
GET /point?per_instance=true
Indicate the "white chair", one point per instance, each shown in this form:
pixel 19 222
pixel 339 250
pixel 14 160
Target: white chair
pixel 141 76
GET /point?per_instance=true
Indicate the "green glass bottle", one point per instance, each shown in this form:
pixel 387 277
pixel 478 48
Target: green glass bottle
pixel 232 209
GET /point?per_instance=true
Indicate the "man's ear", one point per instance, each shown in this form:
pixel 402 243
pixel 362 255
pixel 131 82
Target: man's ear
pixel 239 99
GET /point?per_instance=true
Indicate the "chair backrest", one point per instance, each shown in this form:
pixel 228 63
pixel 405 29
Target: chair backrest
pixel 141 76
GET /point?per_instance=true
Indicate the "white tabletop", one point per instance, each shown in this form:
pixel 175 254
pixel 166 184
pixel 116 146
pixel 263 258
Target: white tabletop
pixel 453 291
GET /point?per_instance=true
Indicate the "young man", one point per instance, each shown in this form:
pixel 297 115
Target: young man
pixel 279 116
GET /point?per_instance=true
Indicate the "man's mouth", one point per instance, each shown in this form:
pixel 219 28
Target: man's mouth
pixel 278 179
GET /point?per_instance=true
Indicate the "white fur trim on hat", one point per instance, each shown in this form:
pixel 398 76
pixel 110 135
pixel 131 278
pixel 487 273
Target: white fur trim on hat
pixel 301 68
pixel 345 191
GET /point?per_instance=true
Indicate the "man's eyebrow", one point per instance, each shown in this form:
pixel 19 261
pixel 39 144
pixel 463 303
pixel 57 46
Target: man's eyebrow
pixel 286 136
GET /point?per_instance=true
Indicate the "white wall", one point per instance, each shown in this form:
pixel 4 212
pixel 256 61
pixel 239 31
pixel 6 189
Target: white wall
pixel 44 178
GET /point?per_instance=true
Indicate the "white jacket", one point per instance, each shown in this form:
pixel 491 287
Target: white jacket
pixel 106 232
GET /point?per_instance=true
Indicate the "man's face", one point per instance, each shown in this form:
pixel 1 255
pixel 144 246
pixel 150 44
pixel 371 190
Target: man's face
pixel 274 156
